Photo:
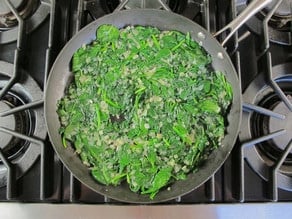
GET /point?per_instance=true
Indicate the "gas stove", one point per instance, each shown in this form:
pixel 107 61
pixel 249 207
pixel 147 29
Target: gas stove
pixel 33 32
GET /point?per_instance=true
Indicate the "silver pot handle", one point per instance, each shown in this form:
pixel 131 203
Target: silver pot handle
pixel 143 2
pixel 254 7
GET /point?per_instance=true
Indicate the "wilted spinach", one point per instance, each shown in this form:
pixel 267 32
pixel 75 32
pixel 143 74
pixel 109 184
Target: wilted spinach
pixel 143 107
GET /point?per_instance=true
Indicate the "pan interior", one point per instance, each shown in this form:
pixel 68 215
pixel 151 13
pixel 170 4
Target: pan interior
pixel 61 76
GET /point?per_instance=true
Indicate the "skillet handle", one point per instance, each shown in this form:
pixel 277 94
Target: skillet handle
pixel 254 7
pixel 143 2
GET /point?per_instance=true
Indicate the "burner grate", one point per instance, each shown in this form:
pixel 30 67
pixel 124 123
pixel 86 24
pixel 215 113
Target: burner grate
pixel 25 99
pixel 265 149
pixel 236 181
pixel 34 14
pixel 266 126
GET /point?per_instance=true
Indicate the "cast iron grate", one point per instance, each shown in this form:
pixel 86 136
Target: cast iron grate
pixel 30 99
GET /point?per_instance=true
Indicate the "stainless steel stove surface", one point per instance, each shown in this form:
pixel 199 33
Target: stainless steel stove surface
pixel 32 33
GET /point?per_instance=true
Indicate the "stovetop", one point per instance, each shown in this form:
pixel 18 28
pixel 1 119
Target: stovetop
pixel 259 168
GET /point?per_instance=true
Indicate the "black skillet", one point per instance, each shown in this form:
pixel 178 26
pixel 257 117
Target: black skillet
pixel 60 78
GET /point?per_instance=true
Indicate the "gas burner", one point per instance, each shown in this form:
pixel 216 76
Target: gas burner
pixel 282 15
pixel 177 6
pixel 262 156
pixel 274 124
pixel 279 24
pixel 263 125
pixel 24 8
pixel 29 122
pixel 19 122
pixel 7 122
pixel 33 12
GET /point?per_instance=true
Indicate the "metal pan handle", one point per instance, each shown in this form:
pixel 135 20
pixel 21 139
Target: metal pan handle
pixel 143 3
pixel 252 8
